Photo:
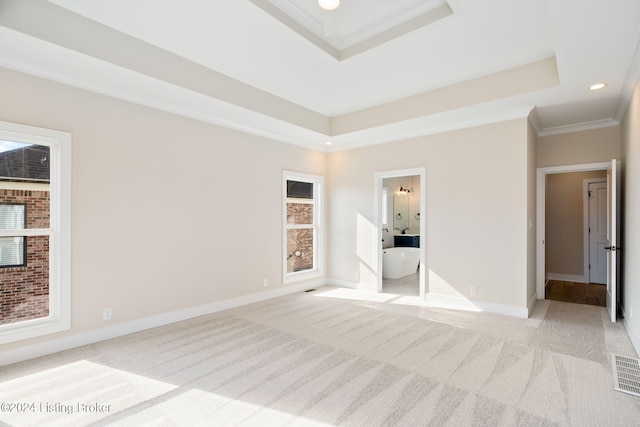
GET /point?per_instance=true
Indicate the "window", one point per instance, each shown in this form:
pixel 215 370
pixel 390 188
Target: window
pixel 34 232
pixel 302 234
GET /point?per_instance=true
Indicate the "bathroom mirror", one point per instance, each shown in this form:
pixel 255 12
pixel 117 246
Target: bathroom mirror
pixel 400 212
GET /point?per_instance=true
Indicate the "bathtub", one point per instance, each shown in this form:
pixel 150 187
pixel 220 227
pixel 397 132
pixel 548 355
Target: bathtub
pixel 399 262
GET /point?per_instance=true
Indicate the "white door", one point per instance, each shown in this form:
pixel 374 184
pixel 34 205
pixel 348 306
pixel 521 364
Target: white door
pixel 613 237
pixel 597 232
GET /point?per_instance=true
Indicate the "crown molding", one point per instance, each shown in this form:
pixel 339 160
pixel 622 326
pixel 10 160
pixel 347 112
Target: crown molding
pixel 631 81
pixel 499 117
pixel 579 127
pixel 534 120
pixel 298 21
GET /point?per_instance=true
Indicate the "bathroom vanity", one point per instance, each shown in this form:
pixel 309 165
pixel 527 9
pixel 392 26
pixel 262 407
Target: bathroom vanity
pixel 406 240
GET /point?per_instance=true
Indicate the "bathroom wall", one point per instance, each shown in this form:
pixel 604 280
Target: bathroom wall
pixel 412 199
pixel 387 231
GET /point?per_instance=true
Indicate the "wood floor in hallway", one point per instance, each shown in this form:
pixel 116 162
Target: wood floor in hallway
pixel 579 293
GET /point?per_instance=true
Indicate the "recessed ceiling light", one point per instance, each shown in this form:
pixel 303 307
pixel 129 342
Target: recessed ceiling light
pixel 597 86
pixel 328 143
pixel 329 4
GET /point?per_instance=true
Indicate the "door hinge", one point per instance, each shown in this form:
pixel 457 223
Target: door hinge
pixel 589 193
pixel 589 266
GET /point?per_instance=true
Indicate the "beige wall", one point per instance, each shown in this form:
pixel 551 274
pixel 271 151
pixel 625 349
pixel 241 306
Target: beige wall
pixel 590 146
pixel 167 212
pixel 138 172
pixel 630 288
pixel 476 210
pixel 564 222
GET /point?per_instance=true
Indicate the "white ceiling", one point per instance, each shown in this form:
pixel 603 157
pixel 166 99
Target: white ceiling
pixel 265 66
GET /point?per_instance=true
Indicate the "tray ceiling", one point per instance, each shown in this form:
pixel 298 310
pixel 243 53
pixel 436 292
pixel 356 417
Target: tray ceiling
pixel 385 73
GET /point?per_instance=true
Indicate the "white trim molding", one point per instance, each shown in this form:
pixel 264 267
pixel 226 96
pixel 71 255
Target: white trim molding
pixel 578 127
pixel 459 303
pixel 541 189
pixel 379 178
pixel 59 318
pixel 567 277
pixel 319 232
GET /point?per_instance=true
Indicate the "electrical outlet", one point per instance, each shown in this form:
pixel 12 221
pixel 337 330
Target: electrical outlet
pixel 106 314
pixel 474 290
pixel 265 282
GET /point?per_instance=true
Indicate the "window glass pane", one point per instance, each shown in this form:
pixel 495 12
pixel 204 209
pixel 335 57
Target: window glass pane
pixel 25 289
pixel 20 162
pixel 24 203
pixel 299 189
pixel 24 179
pixel 11 216
pixel 11 251
pixel 300 212
pixel 299 249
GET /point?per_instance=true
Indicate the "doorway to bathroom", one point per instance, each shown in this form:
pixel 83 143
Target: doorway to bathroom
pixel 401 222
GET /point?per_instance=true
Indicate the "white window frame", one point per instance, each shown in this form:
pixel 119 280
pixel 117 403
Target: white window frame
pixel 59 232
pixel 318 228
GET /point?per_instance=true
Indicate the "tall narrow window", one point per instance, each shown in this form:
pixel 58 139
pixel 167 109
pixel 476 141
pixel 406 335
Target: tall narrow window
pixel 34 232
pixel 302 216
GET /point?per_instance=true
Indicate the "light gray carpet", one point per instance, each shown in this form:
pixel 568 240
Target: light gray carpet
pixel 337 357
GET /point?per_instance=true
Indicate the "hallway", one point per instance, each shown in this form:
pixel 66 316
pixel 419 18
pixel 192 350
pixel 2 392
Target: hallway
pixel 579 293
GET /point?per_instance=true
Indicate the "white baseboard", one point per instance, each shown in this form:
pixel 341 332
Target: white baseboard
pixel 367 287
pixel 458 303
pixel 342 284
pixel 31 351
pixel 567 277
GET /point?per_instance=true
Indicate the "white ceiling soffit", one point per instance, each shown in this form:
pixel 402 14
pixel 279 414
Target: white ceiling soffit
pixel 230 63
pixel 347 31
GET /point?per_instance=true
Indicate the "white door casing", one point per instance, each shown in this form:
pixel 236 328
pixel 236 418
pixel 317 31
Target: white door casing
pixel 613 237
pixel 378 180
pixel 597 200
pixel 541 189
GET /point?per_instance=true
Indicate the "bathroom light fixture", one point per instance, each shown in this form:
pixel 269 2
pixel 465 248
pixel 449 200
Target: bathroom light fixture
pixel 329 4
pixel 404 190
pixel 597 86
